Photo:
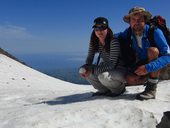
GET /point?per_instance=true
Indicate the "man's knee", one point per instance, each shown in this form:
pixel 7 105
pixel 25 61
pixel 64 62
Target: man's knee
pixel 153 53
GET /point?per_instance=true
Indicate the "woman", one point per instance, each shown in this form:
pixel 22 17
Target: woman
pixel 107 75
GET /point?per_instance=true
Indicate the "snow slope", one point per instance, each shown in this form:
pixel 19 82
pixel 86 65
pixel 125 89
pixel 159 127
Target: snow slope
pixel 30 99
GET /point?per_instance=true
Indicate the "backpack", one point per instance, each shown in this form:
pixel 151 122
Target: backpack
pixel 158 22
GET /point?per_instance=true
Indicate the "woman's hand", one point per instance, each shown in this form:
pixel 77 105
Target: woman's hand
pixel 86 74
pixel 85 71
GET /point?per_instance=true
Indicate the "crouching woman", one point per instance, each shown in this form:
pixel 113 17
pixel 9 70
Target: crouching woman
pixel 108 74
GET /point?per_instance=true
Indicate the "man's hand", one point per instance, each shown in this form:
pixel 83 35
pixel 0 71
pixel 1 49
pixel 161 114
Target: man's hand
pixel 141 70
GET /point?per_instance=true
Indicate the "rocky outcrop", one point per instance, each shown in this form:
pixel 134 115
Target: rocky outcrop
pixel 9 55
pixel 165 73
pixel 165 121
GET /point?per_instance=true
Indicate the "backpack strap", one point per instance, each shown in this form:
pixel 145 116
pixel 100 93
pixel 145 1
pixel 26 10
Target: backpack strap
pixel 150 35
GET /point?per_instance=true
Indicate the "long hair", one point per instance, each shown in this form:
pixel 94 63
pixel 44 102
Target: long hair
pixel 94 40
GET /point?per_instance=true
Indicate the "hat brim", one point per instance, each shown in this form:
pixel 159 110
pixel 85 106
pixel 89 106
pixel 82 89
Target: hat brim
pixel 147 14
pixel 99 25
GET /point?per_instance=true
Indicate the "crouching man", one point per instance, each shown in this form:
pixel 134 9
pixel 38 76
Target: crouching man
pixel 143 60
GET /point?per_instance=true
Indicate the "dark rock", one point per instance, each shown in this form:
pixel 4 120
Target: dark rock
pixel 165 121
pixel 10 56
pixel 165 73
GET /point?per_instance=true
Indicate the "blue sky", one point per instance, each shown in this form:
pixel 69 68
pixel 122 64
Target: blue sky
pixel 52 26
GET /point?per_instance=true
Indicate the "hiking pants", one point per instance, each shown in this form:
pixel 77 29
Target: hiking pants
pixel 111 80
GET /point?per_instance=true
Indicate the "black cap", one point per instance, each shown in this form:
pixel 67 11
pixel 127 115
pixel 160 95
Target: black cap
pixel 100 23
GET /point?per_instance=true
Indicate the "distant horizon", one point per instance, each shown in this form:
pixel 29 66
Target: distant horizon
pixel 53 60
pixel 40 27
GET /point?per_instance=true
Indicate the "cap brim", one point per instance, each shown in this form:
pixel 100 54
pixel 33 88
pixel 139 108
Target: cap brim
pixel 99 25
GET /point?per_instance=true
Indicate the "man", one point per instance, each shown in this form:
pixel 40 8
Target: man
pixel 144 60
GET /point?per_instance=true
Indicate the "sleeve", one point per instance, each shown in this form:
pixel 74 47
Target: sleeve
pixel 161 42
pixel 158 63
pixel 90 56
pixel 164 50
pixel 113 59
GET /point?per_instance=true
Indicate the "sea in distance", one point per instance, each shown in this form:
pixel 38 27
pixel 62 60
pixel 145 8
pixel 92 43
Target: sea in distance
pixel 64 66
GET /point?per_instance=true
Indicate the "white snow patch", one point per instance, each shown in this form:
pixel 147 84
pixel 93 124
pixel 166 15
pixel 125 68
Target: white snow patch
pixel 30 99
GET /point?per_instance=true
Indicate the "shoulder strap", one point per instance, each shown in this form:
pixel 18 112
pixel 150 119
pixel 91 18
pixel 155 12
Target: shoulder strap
pixel 150 35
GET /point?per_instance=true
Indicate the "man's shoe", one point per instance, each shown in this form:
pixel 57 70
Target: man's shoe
pixel 145 96
pixel 148 93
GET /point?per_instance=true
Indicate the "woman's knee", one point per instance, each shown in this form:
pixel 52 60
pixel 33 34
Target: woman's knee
pixel 103 76
pixel 116 75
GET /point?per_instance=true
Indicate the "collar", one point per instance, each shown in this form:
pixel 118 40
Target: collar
pixel 145 33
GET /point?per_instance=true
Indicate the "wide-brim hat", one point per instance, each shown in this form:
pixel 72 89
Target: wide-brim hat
pixel 137 10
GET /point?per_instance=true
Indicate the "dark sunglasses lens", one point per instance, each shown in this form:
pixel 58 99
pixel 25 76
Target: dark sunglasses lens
pixel 100 28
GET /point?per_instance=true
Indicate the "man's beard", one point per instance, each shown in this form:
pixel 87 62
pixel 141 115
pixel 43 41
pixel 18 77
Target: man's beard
pixel 138 29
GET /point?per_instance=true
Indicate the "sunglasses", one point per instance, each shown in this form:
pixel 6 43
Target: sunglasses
pixel 100 28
